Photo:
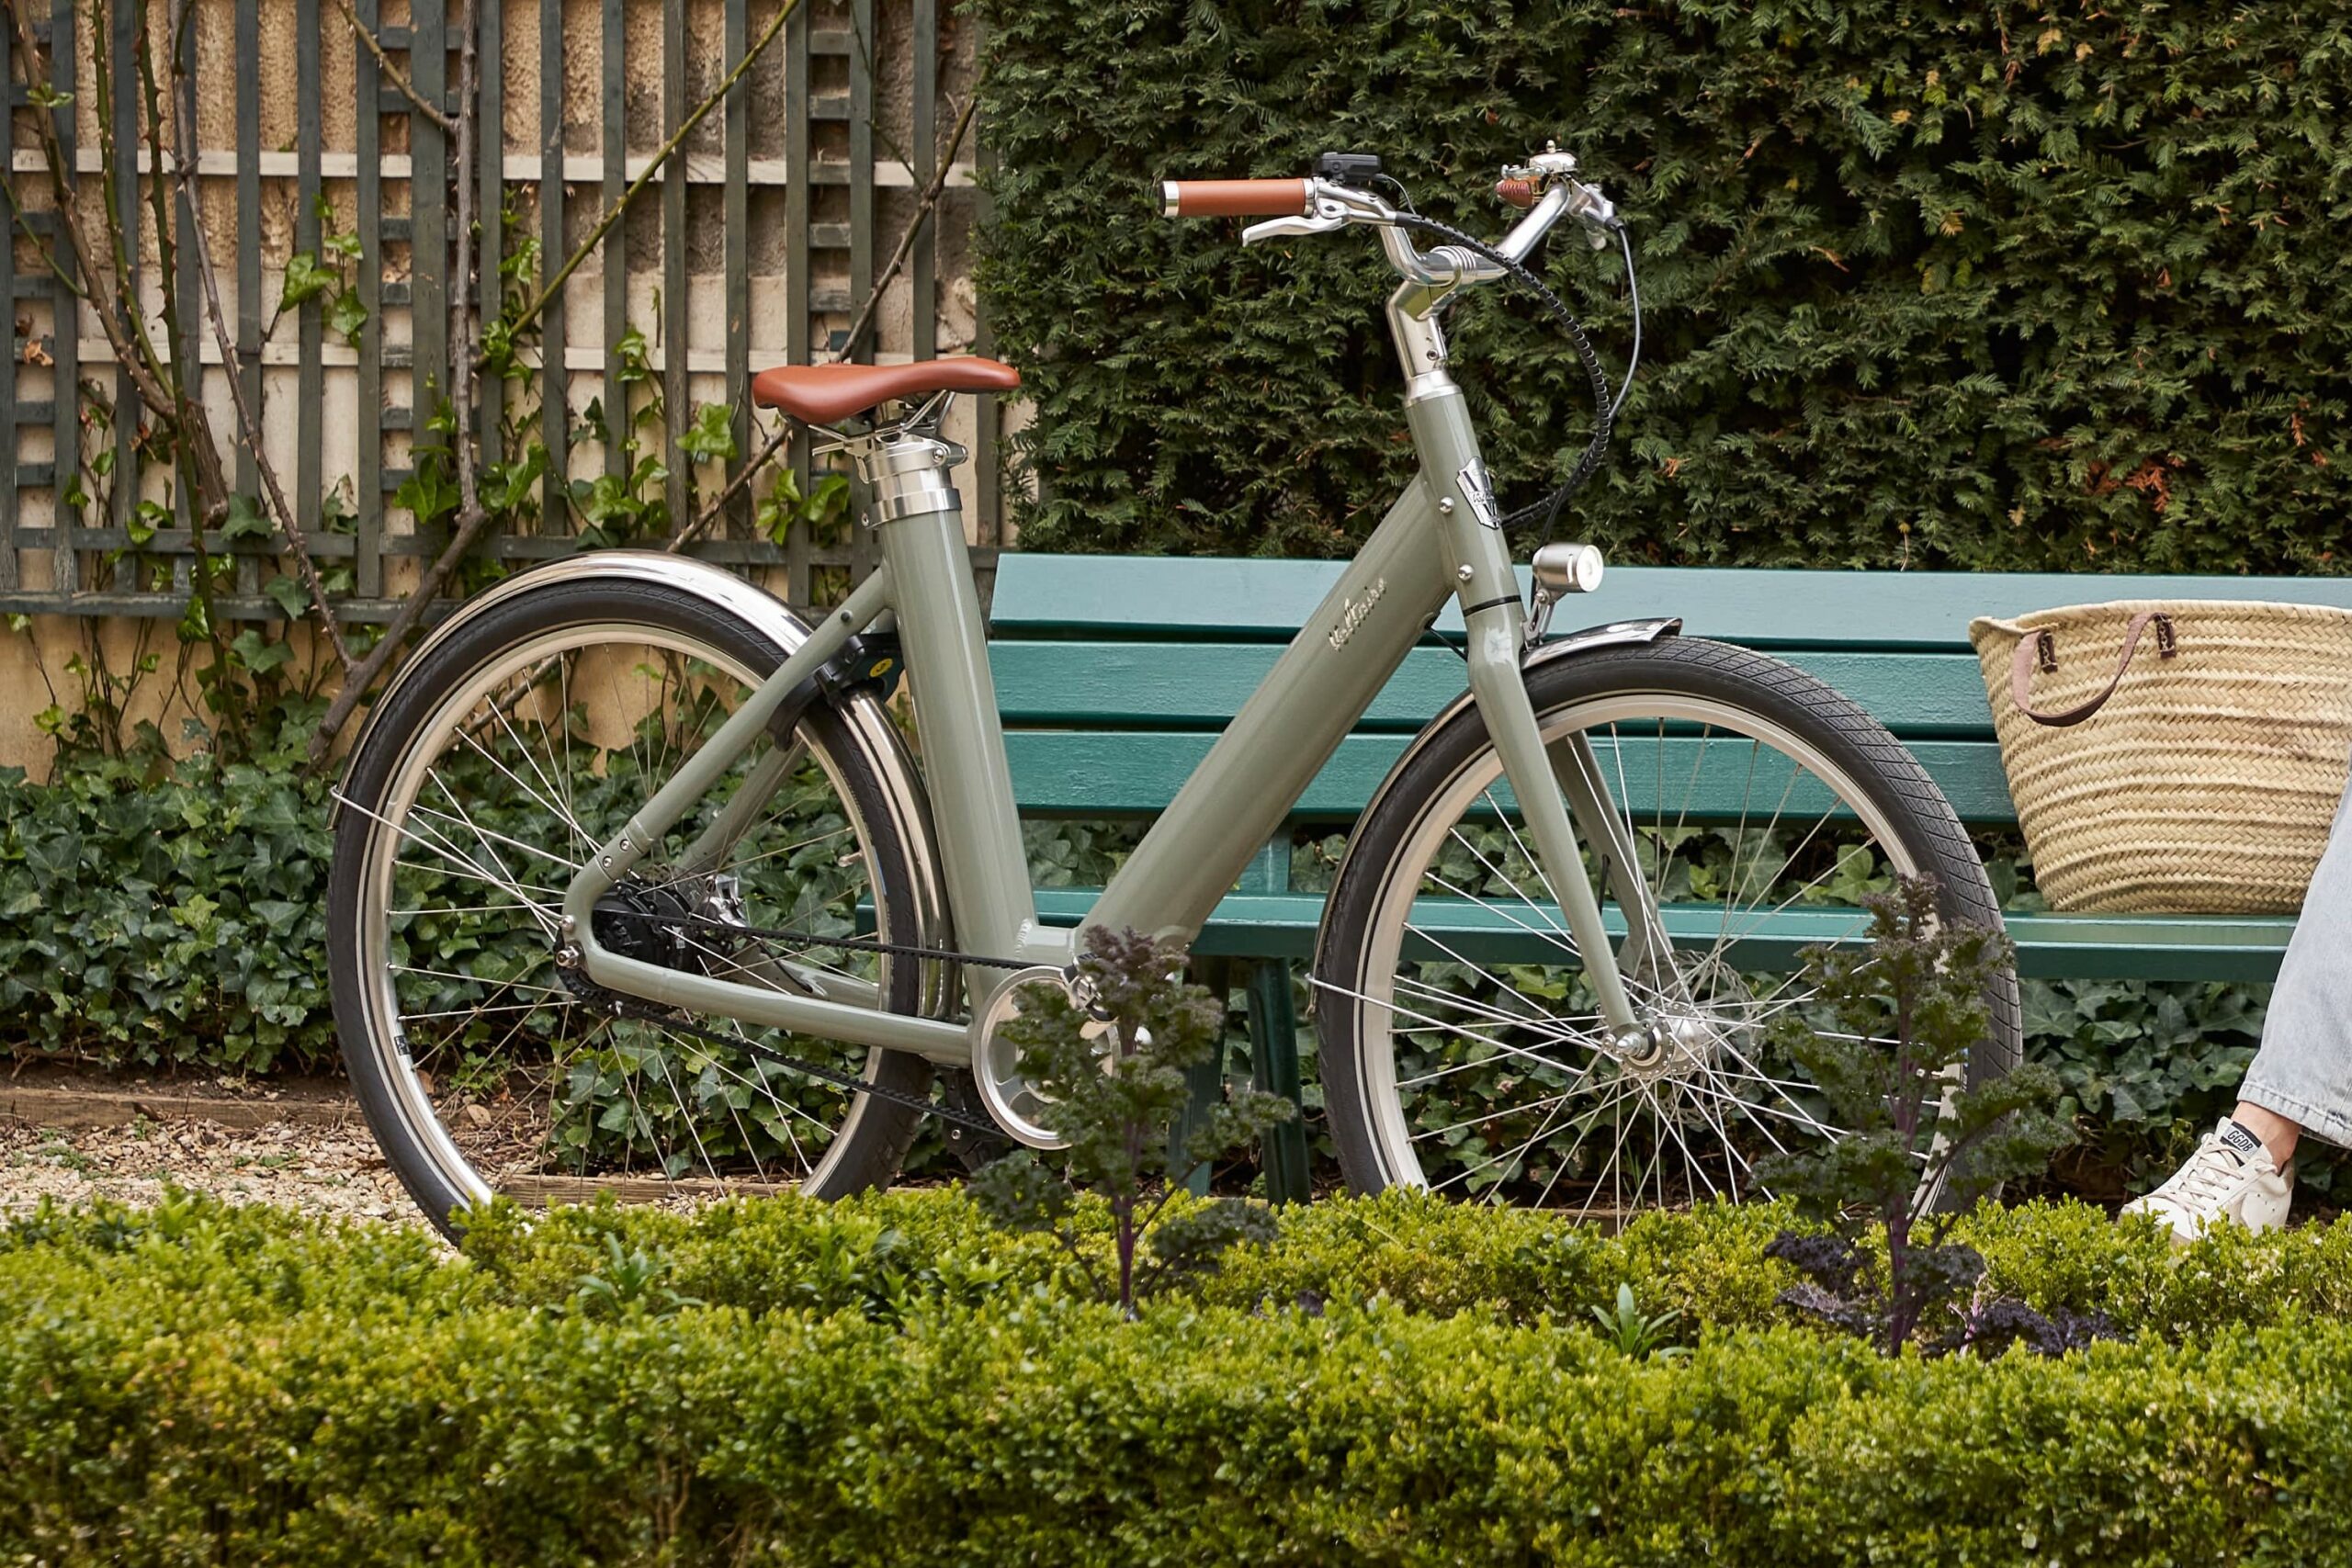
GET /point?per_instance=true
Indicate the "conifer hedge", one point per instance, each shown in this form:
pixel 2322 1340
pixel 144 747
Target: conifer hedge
pixel 1981 286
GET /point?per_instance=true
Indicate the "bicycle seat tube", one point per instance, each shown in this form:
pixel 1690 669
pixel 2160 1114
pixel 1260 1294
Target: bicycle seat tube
pixel 918 519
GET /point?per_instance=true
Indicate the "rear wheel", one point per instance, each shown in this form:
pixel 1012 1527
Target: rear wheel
pixel 1461 1047
pixel 526 740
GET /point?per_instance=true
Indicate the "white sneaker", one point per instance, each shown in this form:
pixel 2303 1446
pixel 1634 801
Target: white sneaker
pixel 2231 1177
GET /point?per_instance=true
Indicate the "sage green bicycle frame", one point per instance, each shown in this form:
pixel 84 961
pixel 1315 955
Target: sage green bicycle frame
pixel 1433 542
pixel 1440 537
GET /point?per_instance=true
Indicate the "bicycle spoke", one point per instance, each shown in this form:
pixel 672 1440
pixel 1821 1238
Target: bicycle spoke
pixel 528 767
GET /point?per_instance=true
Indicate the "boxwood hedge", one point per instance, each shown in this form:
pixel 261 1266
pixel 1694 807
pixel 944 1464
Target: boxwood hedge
pixel 882 1381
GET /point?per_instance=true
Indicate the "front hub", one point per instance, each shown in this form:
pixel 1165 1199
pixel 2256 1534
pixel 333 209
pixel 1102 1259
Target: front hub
pixel 1670 1045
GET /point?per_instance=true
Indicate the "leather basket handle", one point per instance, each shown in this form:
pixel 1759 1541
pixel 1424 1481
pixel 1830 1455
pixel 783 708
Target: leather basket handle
pixel 2043 646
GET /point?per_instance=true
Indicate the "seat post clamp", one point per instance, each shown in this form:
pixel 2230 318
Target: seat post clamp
pixel 908 475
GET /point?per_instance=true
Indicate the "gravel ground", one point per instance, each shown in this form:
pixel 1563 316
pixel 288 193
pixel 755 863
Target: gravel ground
pixel 323 1170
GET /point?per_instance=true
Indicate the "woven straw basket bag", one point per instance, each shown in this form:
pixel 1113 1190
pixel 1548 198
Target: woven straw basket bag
pixel 2179 757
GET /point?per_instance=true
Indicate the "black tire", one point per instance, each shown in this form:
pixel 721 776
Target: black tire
pixel 1922 821
pixel 874 1136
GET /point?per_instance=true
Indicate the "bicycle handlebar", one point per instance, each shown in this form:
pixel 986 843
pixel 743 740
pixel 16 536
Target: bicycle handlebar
pixel 1233 198
pixel 1544 189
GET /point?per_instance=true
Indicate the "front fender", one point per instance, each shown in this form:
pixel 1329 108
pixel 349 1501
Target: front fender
pixel 1610 634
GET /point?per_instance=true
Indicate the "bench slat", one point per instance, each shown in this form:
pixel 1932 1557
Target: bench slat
pixel 1060 773
pixel 1113 685
pixel 1082 595
pixel 2162 947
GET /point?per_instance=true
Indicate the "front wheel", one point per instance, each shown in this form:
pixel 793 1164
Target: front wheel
pixel 1461 1048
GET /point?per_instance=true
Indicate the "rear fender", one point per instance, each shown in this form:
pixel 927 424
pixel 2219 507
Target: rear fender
pixel 861 711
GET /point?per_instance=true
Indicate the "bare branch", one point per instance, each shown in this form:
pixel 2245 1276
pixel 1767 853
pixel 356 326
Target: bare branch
pixel 392 73
pixel 138 358
pixel 412 610
pixel 687 530
pixel 461 390
pixel 192 427
pixel 473 517
pixel 924 209
pixel 668 150
pixel 248 421
pixel 930 199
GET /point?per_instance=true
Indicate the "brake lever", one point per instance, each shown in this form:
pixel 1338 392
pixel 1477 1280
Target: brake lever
pixel 1288 228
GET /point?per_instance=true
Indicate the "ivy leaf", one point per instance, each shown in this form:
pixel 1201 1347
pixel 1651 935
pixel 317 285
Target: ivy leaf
pixel 633 357
pixel 509 485
pixel 245 520
pixel 428 492
pixel 289 595
pixel 346 316
pixel 257 654
pixel 305 280
pixel 145 520
pixel 711 436
pixel 605 499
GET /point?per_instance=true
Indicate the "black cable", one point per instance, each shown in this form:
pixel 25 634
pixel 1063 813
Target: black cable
pixel 1604 407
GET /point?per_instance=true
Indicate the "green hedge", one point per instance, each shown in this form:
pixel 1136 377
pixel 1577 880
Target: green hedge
pixel 152 913
pixel 1971 285
pixel 202 1384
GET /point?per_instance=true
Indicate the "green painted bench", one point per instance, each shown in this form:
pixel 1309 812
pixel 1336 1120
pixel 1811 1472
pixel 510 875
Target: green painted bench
pixel 1115 675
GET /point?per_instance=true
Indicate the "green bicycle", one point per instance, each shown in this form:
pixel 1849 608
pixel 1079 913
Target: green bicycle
pixel 638 886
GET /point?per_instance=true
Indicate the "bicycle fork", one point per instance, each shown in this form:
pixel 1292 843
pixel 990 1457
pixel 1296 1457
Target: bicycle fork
pixel 1553 795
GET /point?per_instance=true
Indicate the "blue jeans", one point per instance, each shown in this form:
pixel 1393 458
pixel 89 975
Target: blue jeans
pixel 2304 1070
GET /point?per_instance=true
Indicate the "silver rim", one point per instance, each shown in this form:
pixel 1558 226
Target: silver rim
pixel 668 1114
pixel 1581 1123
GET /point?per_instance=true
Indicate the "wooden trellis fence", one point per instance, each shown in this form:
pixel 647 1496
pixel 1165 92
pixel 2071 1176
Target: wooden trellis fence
pixel 761 245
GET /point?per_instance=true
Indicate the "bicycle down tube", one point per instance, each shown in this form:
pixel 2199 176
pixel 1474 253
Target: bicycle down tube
pixel 1439 536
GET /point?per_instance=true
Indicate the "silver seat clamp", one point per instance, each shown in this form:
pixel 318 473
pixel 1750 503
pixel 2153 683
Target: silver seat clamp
pixel 908 475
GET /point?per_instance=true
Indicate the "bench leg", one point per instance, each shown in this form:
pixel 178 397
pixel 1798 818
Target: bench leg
pixel 1274 1063
pixel 1204 1080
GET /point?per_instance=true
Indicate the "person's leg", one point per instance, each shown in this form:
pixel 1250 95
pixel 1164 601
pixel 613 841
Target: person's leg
pixel 2300 1080
pixel 2278 1134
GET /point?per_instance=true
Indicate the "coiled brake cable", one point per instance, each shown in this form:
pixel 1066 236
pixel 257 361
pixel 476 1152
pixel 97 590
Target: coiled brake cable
pixel 1604 406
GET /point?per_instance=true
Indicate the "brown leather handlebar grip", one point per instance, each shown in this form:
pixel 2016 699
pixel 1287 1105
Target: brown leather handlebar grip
pixel 1518 193
pixel 1233 198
